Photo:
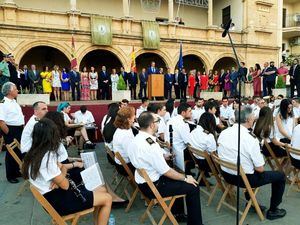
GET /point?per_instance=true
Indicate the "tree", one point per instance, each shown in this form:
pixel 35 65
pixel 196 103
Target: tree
pixel 121 83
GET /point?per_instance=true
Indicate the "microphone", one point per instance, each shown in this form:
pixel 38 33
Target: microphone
pixel 226 28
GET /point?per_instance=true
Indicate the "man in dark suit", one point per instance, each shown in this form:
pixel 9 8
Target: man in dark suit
pixel 24 79
pixel 132 82
pixel 152 69
pixel 169 79
pixel 34 79
pixel 124 75
pixel 294 73
pixel 104 82
pixel 183 83
pixel 176 84
pixel 222 81
pixel 75 82
pixel 143 83
pixel 13 71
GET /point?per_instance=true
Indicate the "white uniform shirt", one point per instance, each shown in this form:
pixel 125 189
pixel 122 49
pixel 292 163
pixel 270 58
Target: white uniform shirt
pixel 86 118
pixel 196 113
pixel 121 139
pixel 26 138
pixel 296 111
pixel 103 122
pixel 251 156
pixel 48 170
pixel 225 112
pixel 66 117
pixel 161 126
pixel 62 153
pixel 140 110
pixel 144 155
pixel 288 126
pixel 11 112
pixel 202 141
pixel 296 140
pixel 256 111
pixel 167 117
pixel 175 112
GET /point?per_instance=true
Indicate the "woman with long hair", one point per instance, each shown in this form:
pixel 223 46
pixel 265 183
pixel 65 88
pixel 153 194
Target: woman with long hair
pixel 85 85
pixel 169 109
pixel 47 80
pixel 65 84
pixel 93 75
pixel 44 171
pixel 264 129
pixel 56 82
pixel 256 80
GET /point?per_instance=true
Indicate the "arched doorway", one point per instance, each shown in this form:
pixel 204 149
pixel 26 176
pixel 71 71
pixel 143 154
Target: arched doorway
pixel 45 56
pixel 224 63
pixel 99 58
pixel 191 62
pixel 144 60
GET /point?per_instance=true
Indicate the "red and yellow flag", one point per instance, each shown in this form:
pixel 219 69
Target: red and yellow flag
pixel 73 60
pixel 133 65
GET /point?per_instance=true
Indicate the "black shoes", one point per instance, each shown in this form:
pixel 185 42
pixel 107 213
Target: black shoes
pixel 273 215
pixel 118 205
pixel 89 145
pixel 13 180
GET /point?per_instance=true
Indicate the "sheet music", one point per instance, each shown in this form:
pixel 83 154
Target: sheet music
pixel 89 159
pixel 92 177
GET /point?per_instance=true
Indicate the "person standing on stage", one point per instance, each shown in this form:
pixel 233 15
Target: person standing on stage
pixel 295 77
pixel 4 72
pixel 152 69
pixel 132 82
pixel 104 82
pixel 75 82
pixel 143 83
pixel 183 83
pixel 176 84
pixel 169 78
pixel 11 125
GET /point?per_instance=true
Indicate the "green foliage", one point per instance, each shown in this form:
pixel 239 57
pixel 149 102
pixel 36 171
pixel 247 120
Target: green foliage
pixel 280 82
pixel 121 83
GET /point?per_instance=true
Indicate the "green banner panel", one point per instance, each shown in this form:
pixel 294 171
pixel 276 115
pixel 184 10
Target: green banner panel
pixel 151 35
pixel 101 30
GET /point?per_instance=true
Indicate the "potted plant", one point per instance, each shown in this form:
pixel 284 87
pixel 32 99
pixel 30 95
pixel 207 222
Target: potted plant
pixel 122 92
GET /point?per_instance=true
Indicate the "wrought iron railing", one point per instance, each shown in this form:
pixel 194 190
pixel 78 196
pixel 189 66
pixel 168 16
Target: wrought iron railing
pixel 292 20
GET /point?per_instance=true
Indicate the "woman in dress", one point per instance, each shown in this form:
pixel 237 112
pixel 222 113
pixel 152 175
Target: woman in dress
pixel 211 85
pixel 191 84
pixel 204 82
pixel 249 83
pixel 56 82
pixel 65 84
pixel 216 81
pixel 114 80
pixel 93 75
pixel 227 83
pixel 47 79
pixel 85 85
pixel 197 85
pixel 256 80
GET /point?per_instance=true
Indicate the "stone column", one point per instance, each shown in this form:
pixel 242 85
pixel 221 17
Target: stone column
pixel 126 8
pixel 73 5
pixel 210 13
pixel 171 10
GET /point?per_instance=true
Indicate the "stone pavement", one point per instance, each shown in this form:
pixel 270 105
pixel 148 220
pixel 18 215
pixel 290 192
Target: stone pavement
pixel 24 210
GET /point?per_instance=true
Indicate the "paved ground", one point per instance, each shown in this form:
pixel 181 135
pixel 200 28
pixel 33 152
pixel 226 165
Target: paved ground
pixel 24 210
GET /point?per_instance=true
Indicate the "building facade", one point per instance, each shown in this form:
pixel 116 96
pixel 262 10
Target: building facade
pixel 39 32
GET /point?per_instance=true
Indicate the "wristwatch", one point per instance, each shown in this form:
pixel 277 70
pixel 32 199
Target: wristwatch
pixel 185 178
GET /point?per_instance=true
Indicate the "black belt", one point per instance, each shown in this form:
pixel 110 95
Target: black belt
pixel 15 126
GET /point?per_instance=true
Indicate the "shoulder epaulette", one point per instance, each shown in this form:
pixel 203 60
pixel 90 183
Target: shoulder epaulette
pixel 253 135
pixel 36 119
pixel 2 101
pixel 150 141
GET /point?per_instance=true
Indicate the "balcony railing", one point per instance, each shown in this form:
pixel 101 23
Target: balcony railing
pixel 292 20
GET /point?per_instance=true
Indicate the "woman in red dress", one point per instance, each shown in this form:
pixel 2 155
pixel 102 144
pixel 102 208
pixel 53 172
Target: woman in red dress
pixel 204 82
pixel 256 80
pixel 191 84
pixel 216 81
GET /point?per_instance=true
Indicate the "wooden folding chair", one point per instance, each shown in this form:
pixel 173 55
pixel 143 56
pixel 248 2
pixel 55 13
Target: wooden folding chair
pixel 10 148
pixel 56 218
pixel 229 188
pixel 278 161
pixel 1 143
pixel 295 179
pixel 193 151
pixel 160 200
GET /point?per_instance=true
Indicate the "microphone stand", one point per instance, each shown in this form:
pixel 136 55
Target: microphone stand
pixel 239 129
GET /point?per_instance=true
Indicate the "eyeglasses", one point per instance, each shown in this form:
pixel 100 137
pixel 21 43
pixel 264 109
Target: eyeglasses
pixel 157 121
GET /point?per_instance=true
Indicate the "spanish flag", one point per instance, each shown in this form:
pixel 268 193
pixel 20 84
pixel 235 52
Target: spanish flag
pixel 133 65
pixel 73 60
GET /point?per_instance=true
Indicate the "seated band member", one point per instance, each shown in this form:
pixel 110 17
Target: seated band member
pixel 145 153
pixel 252 160
pixel 295 159
pixel 43 170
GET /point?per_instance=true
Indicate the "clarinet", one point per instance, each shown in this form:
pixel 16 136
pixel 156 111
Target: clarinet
pixel 171 144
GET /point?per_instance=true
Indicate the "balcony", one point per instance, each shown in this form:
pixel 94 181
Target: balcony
pixel 291 26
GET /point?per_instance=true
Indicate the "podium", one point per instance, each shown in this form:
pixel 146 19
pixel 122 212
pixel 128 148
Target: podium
pixel 156 85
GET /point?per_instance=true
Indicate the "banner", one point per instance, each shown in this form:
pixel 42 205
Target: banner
pixel 180 62
pixel 151 35
pixel 74 59
pixel 101 30
pixel 133 64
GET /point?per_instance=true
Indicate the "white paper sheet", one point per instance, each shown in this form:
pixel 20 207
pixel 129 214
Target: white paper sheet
pixel 89 159
pixel 92 177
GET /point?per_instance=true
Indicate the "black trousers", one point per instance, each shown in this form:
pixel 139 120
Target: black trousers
pixel 143 88
pixel 133 91
pixel 105 92
pixel 122 171
pixel 295 162
pixel 298 88
pixel 73 87
pixel 168 92
pixel 275 178
pixel 270 85
pixel 182 91
pixel 168 187
pixel 177 91
pixel 292 81
pixel 278 151
pixel 11 166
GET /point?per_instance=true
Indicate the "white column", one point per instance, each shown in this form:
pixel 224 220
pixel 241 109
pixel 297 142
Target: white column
pixel 9 2
pixel 210 13
pixel 73 5
pixel 126 8
pixel 171 10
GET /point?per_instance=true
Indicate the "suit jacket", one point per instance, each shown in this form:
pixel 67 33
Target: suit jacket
pixel 104 76
pixel 169 79
pixel 13 73
pixel 183 79
pixel 222 79
pixel 132 79
pixel 296 73
pixel 151 70
pixel 34 76
pixel 174 79
pixel 74 77
pixel 143 79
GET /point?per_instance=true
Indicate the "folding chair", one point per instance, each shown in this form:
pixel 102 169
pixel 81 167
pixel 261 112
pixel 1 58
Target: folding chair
pixel 230 188
pixel 193 151
pixel 1 143
pixel 56 218
pixel 158 199
pixel 10 148
pixel 295 179
pixel 278 161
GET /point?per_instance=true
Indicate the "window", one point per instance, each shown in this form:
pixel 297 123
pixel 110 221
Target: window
pixel 284 18
pixel 283 46
pixel 226 15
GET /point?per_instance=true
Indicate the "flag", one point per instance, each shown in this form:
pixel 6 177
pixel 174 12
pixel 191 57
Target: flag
pixel 73 60
pixel 180 63
pixel 133 65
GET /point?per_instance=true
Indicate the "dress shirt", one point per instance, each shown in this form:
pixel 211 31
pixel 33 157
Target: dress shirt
pixel 26 138
pixel 11 112
pixel 86 118
pixel 140 110
pixel 197 112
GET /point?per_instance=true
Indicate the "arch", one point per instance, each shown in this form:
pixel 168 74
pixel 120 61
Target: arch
pixel 225 63
pixel 144 60
pixel 118 53
pixel 24 47
pixel 201 56
pixel 228 55
pixel 161 54
pixel 4 47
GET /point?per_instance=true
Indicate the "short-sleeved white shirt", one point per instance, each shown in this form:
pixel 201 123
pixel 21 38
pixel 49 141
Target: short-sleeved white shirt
pixel 85 118
pixel 202 141
pixel 144 155
pixel 167 117
pixel 48 170
pixel 251 156
pixel 140 110
pixel 296 140
pixel 62 153
pixel 11 112
pixel 161 126
pixel 66 117
pixel 197 112
pixel 26 138
pixel 288 126
pixel 103 122
pixel 121 139
pixel 296 111
pixel 225 112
